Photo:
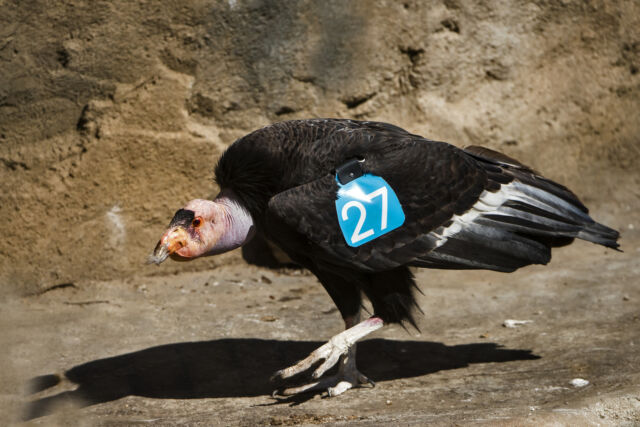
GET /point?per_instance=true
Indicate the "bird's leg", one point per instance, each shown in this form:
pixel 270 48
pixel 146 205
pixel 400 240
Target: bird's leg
pixel 348 374
pixel 340 347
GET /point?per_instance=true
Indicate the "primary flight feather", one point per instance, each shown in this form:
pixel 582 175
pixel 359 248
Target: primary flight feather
pixel 470 208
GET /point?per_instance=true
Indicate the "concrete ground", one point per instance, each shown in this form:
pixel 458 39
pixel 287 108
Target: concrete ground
pixel 199 348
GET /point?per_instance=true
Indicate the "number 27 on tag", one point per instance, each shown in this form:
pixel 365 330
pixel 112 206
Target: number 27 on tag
pixel 367 208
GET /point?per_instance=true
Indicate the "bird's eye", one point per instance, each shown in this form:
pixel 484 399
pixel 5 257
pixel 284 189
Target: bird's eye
pixel 196 222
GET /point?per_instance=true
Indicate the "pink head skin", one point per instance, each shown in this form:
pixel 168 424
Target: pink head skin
pixel 205 227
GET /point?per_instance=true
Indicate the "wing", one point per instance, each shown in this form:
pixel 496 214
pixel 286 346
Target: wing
pixel 464 209
pixel 434 181
pixel 515 222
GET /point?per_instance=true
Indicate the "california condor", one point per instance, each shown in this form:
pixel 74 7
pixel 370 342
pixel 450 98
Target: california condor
pixel 358 203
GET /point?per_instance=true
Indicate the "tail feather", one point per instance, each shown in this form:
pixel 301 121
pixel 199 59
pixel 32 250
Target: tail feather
pixel 600 234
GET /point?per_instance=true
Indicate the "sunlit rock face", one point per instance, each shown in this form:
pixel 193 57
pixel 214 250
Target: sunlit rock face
pixel 112 114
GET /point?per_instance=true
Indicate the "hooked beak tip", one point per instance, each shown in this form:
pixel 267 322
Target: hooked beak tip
pixel 159 254
pixel 172 241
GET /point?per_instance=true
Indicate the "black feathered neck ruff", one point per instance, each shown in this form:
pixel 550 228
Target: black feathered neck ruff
pixel 250 170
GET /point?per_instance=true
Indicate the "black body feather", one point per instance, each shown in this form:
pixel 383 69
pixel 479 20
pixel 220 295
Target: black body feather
pixel 464 209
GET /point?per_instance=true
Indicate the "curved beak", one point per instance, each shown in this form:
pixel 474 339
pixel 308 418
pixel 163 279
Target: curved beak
pixel 173 240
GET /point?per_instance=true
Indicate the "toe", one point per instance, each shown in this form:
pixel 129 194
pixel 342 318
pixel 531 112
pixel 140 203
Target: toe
pixel 340 388
pixel 321 353
pixel 326 365
pixel 297 390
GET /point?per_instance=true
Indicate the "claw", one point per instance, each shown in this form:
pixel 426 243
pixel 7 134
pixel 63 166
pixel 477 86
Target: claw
pixel 365 380
pixel 276 376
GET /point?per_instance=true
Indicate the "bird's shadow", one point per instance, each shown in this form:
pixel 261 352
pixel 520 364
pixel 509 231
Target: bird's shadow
pixel 241 368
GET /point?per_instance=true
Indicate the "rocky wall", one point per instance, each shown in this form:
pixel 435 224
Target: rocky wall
pixel 113 113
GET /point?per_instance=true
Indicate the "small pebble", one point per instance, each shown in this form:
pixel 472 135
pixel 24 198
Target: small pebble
pixel 579 382
pixel 268 318
pixel 389 402
pixel 511 323
pixel 625 298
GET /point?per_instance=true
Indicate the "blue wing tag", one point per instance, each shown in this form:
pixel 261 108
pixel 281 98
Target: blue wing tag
pixel 367 208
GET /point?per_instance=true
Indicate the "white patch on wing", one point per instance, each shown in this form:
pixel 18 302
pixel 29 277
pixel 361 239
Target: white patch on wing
pixel 491 203
pixel 487 203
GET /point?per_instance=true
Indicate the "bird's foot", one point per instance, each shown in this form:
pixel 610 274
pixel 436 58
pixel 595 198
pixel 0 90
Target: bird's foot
pixel 340 347
pixel 335 384
pixel 332 350
pixel 329 352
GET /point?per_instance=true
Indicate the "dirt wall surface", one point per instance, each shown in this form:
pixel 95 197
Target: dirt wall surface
pixel 112 114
